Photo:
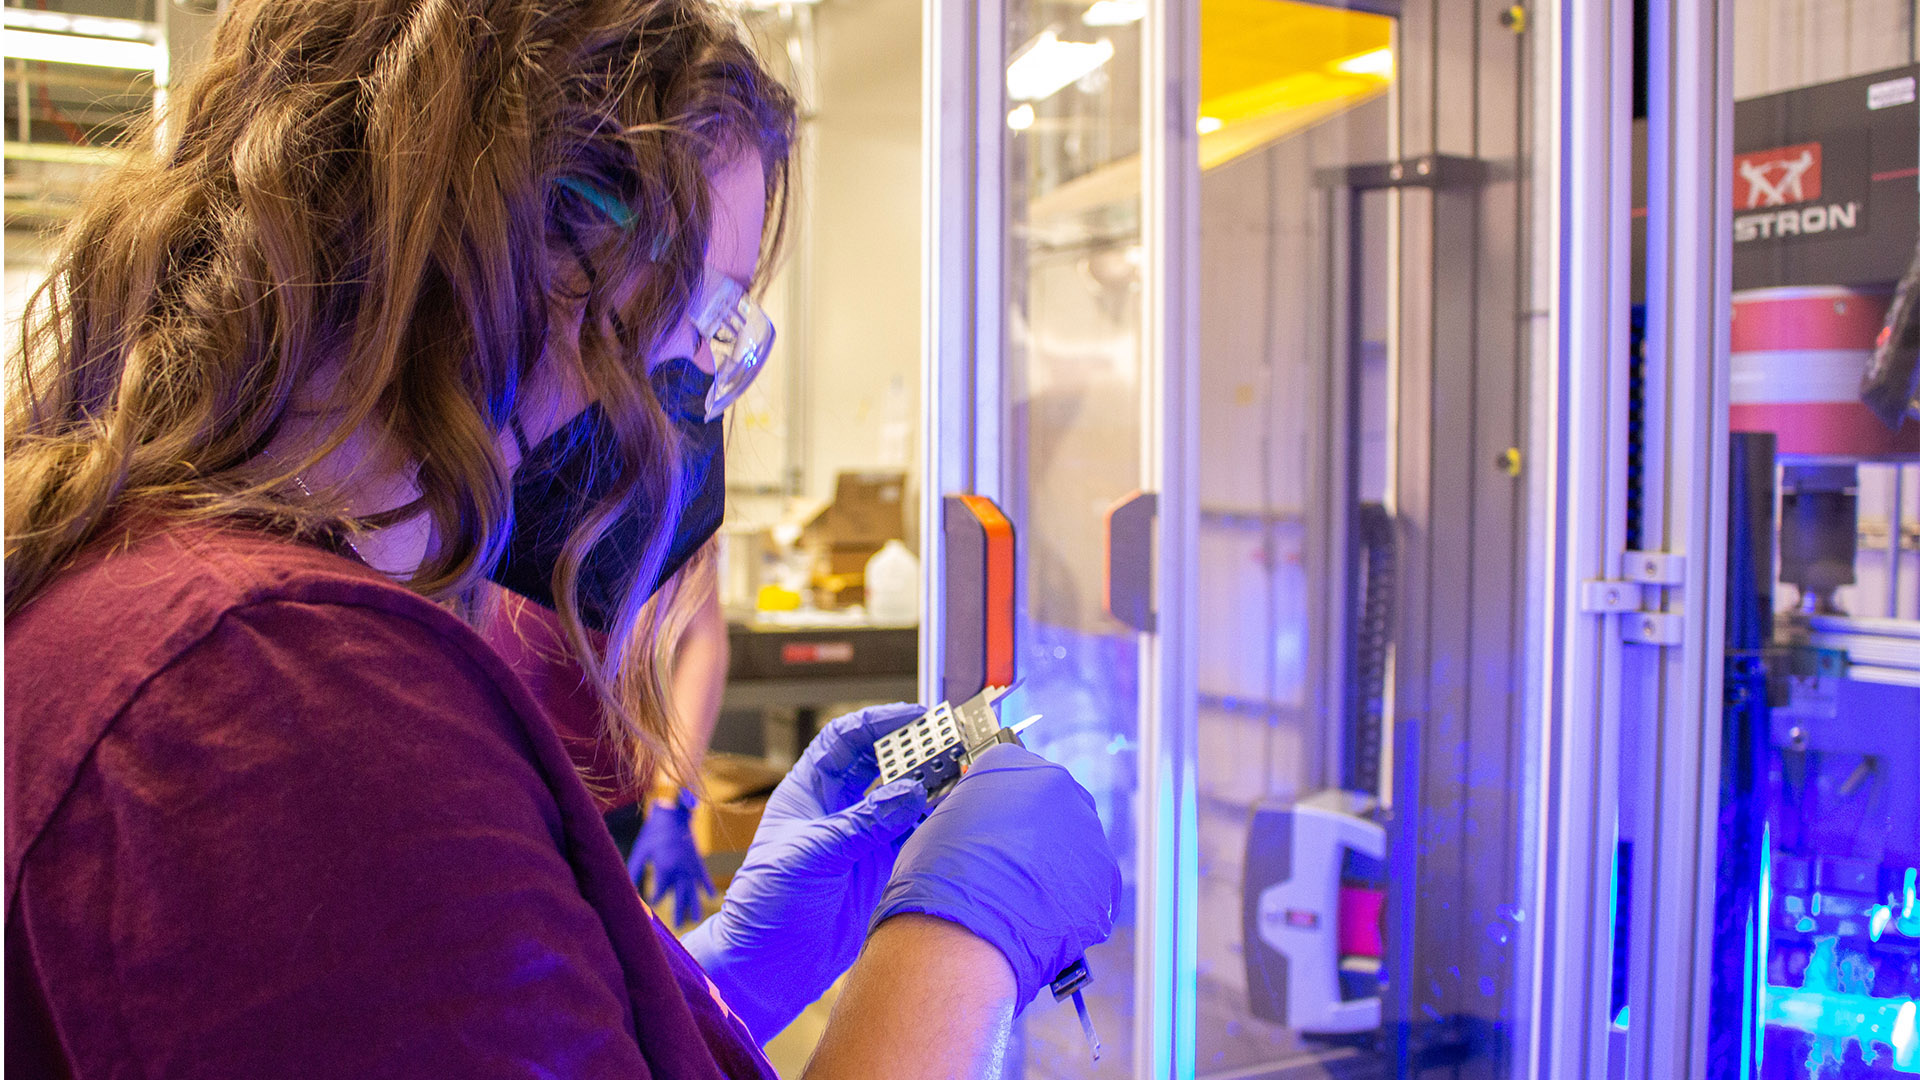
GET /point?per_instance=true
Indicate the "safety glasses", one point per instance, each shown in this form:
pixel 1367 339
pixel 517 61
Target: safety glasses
pixel 739 334
pixel 737 330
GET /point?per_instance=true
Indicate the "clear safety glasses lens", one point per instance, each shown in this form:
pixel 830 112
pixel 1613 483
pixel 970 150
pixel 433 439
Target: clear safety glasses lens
pixel 740 335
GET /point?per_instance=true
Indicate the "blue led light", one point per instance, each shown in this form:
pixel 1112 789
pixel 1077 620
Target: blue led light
pixel 1755 965
pixel 1834 1018
pixel 1757 1036
pixel 1906 1039
pixel 1834 1005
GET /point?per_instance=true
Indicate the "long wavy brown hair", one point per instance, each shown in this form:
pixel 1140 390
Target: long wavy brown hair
pixel 363 210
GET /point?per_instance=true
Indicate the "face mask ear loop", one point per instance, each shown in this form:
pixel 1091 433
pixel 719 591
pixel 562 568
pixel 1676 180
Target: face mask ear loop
pixel 593 281
pixel 579 252
pixel 586 267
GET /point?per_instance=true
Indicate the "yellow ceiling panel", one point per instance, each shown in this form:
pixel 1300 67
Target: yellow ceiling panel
pixel 1268 69
pixel 1245 44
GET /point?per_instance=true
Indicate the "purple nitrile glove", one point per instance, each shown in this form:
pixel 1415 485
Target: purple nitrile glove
pixel 796 914
pixel 1015 853
pixel 666 843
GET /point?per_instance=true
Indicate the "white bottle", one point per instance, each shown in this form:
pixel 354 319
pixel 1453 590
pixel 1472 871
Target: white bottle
pixel 893 585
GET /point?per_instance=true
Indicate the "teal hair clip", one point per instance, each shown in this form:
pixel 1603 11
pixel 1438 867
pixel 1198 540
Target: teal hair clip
pixel 620 213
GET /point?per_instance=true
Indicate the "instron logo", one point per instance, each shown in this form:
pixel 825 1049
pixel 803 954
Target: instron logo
pixel 1790 174
pixel 1787 176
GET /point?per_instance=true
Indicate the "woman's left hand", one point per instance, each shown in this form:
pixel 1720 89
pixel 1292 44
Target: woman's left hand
pixel 666 844
pixel 796 913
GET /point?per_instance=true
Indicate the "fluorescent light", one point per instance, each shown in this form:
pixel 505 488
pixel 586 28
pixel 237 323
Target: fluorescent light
pixel 62 153
pixel 1047 65
pixel 1210 124
pixel 1378 63
pixel 1115 12
pixel 87 51
pixel 1021 118
pixel 56 22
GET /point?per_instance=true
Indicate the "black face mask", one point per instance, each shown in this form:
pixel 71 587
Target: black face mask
pixel 569 472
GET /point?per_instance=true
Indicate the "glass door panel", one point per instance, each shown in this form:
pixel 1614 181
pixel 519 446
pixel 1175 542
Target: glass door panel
pixel 1817 932
pixel 1073 395
pixel 1343 473
pixel 1295 279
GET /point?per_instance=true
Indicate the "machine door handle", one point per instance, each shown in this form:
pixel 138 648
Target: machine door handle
pixel 979 597
pixel 1130 560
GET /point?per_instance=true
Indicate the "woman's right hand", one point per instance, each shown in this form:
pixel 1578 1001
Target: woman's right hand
pixel 1016 855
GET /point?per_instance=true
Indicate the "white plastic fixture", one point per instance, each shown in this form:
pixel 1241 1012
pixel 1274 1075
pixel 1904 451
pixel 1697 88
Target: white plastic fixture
pixel 1047 65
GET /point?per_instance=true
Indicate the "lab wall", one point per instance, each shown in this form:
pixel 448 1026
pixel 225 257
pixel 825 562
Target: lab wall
pixel 27 256
pixel 1786 44
pixel 842 390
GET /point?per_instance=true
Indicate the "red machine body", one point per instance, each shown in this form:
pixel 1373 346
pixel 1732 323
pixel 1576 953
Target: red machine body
pixel 1798 356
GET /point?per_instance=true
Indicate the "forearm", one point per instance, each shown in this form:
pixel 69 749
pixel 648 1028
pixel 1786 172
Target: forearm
pixel 700 681
pixel 927 999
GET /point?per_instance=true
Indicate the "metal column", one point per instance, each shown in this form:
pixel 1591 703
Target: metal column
pixel 963 296
pixel 1583 124
pixel 1166 980
pixel 1684 506
pixel 1631 642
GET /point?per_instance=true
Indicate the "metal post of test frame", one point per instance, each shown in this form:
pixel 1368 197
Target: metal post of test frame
pixel 1166 978
pixel 1581 252
pixel 964 361
pixel 1684 514
pixel 963 296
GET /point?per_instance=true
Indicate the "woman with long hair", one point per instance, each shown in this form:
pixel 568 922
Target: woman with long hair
pixel 405 302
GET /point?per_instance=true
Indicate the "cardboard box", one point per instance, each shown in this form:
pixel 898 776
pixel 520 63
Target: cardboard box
pixel 724 821
pixel 727 826
pixel 737 787
pixel 868 509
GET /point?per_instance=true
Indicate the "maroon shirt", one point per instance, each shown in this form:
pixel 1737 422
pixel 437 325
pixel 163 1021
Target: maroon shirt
pixel 271 815
pixel 530 639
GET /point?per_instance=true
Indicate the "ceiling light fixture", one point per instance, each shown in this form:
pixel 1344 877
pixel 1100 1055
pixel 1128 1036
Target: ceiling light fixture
pixel 1021 118
pixel 1046 65
pixel 1115 12
pixel 1377 63
pixel 85 51
pixel 1210 124
pixel 57 22
pixel 769 6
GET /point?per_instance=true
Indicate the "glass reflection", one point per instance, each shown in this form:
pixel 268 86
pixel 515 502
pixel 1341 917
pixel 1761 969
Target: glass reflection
pixel 1073 432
